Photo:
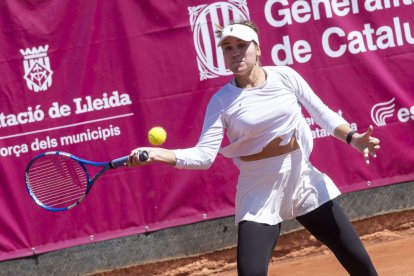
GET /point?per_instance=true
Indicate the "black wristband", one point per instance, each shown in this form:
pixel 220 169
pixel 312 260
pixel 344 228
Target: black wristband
pixel 349 136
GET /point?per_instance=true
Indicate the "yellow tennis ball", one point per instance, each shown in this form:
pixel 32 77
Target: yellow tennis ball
pixel 157 136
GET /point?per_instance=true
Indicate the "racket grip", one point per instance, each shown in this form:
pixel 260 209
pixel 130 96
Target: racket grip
pixel 120 162
pixel 143 156
pixel 116 163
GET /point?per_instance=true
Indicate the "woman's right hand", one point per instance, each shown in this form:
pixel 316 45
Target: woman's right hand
pixel 154 155
pixel 134 159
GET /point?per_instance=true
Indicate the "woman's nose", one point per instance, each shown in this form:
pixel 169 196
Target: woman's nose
pixel 236 53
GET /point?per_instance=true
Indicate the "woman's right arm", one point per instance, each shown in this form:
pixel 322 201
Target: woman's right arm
pixel 199 157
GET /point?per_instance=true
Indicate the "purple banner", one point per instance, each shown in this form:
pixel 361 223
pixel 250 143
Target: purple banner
pixel 92 77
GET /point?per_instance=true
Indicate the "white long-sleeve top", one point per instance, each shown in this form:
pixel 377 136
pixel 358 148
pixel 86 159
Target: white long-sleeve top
pixel 251 118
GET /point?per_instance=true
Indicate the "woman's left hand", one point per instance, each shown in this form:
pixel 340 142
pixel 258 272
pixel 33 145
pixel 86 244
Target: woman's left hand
pixel 366 144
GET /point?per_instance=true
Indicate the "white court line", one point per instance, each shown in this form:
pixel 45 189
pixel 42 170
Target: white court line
pixel 66 126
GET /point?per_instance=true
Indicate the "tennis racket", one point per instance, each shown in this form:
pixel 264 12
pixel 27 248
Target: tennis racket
pixel 58 181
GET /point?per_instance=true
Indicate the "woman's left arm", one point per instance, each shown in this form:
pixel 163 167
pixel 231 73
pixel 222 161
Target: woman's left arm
pixel 329 120
pixel 363 142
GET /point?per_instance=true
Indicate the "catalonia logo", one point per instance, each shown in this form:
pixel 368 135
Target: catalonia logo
pixel 203 20
pixel 382 111
pixel 38 74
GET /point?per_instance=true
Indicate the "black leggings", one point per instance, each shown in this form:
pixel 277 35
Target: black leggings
pixel 327 223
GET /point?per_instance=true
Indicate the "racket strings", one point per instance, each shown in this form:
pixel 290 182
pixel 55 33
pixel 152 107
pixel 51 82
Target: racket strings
pixel 57 181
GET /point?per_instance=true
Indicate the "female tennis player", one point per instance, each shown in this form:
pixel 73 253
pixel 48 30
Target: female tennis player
pixel 270 142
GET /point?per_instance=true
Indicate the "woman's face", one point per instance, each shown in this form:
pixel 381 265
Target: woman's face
pixel 240 56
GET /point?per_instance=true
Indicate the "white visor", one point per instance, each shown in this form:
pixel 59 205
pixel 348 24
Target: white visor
pixel 240 31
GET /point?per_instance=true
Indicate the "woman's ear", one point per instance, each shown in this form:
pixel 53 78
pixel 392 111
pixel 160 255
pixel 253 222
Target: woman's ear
pixel 258 54
pixel 258 51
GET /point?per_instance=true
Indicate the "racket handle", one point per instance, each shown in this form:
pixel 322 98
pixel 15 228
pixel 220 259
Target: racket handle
pixel 120 162
pixel 116 163
pixel 143 156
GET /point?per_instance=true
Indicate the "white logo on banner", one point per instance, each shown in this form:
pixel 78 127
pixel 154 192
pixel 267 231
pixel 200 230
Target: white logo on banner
pixel 382 111
pixel 203 19
pixel 38 74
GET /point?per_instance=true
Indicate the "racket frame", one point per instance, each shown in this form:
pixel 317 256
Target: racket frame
pixel 82 162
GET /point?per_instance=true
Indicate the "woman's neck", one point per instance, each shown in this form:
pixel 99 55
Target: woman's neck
pixel 256 78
